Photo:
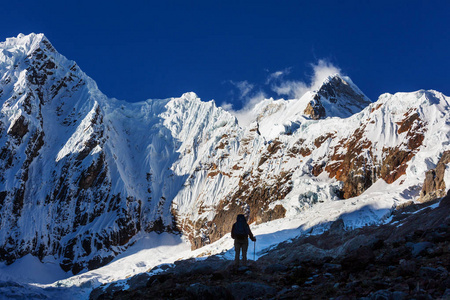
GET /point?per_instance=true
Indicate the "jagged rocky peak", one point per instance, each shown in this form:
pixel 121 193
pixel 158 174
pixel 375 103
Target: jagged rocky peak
pixel 337 86
pixel 338 96
pixel 24 51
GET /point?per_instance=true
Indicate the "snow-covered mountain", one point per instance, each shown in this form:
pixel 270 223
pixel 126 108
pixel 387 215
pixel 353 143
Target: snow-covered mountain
pixel 81 174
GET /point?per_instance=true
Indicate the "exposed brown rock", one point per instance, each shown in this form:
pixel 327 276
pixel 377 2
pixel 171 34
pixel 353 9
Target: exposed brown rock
pixel 252 195
pixel 434 184
pixel 359 172
pixel 272 148
pixel 317 169
pixel 376 107
pixel 396 160
pixel 214 171
pixel 407 122
pixel 236 167
pixel 321 139
pixel 350 167
pixel 315 109
pixel 298 148
pixel 395 163
pixel 223 142
pixel 305 152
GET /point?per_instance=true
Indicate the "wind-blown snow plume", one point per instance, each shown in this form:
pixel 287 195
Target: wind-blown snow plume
pixel 296 89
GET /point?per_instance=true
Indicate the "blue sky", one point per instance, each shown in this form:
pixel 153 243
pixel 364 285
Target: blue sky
pixel 230 51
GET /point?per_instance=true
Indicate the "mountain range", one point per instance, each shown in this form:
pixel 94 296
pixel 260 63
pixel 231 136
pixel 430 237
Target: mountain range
pixel 82 174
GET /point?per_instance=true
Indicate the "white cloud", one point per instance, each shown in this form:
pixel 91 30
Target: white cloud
pixel 227 106
pixel 277 75
pixel 296 89
pixel 292 89
pixel 246 115
pixel 244 87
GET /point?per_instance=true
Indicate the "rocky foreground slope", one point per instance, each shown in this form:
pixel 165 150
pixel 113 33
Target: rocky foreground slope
pixel 81 174
pixel 407 258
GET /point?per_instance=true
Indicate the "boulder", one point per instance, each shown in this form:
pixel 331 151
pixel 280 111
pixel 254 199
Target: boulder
pixel 419 248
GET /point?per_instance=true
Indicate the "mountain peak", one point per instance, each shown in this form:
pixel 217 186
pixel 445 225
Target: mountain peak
pixel 336 85
pixel 332 77
pixel 339 96
pixel 27 43
pixel 189 96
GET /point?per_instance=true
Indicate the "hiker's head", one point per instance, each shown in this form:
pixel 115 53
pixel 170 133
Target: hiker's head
pixel 241 218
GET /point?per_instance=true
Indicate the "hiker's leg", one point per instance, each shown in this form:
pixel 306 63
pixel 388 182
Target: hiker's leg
pixel 244 252
pixel 237 249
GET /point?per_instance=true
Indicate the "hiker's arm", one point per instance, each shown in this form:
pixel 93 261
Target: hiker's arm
pixel 232 232
pixel 251 234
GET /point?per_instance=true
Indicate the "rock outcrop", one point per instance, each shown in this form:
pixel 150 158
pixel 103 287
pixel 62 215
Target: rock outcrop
pixel 434 184
pixel 315 109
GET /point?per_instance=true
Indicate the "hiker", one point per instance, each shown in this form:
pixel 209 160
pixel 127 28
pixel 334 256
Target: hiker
pixel 240 233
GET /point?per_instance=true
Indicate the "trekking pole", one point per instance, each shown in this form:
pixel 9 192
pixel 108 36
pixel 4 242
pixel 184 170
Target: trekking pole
pixel 254 250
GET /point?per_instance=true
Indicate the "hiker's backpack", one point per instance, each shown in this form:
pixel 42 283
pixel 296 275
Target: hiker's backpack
pixel 241 228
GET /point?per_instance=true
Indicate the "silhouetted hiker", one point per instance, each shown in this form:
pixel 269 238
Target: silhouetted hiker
pixel 240 233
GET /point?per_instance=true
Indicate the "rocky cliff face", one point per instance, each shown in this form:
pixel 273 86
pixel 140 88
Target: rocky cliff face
pixel 82 174
pixel 434 185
